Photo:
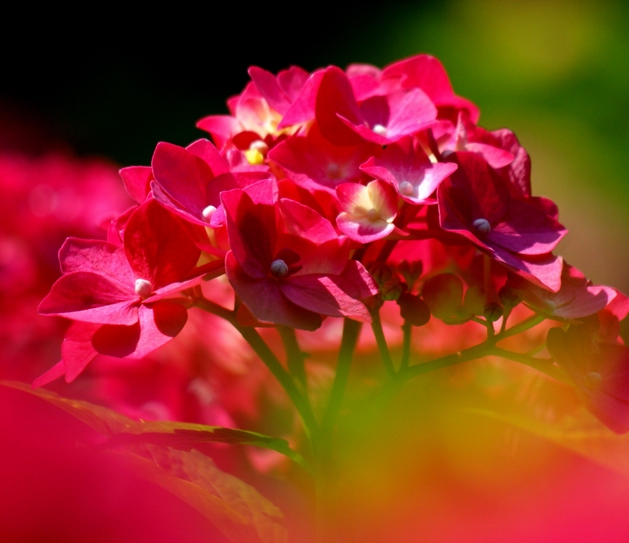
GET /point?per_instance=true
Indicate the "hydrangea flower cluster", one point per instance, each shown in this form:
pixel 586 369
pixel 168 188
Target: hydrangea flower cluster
pixel 343 194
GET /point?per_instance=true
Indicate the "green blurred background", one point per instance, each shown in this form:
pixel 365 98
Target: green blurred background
pixel 555 72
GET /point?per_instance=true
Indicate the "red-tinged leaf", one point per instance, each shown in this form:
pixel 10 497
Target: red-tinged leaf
pixel 187 436
pixel 237 509
pixel 101 419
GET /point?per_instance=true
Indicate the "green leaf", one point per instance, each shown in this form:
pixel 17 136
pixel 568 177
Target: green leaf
pixel 582 434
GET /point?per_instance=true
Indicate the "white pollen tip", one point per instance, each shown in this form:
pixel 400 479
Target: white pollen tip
pixel 482 226
pixel 279 268
pixel 259 146
pixel 208 212
pixel 406 188
pixel 379 129
pixel 143 288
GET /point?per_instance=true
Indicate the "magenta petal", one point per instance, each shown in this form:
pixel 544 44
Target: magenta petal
pixel 77 350
pixel 58 370
pixel 100 257
pixel 356 273
pixel 265 300
pixel 335 101
pixel 137 180
pixel 252 231
pixel 90 297
pixel 221 127
pixel 159 246
pixel 542 270
pixel 183 177
pixel 526 230
pixel 325 294
pixel 270 89
pixel 495 157
pixel 210 155
pixel 116 340
pixel 158 325
pixel 303 108
pixel 303 221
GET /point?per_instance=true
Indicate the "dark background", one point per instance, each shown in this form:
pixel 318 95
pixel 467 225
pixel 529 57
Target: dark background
pixel 556 72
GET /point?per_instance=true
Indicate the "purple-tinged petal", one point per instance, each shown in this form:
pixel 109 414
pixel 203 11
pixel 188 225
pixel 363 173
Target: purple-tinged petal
pixel 265 300
pixel 527 230
pixel 325 294
pixel 252 231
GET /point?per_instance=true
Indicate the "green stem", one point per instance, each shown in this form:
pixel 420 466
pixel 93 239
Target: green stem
pixel 544 365
pixel 294 356
pixel 532 321
pixel 351 330
pixel 267 356
pixel 376 326
pixel 407 328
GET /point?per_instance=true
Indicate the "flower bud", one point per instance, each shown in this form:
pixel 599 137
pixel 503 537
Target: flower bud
pixel 410 271
pixel 508 297
pixel 392 289
pixel 381 273
pixel 493 311
pixel 443 293
pixel 413 309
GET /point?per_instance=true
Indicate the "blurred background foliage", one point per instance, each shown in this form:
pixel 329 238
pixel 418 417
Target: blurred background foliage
pixel 556 72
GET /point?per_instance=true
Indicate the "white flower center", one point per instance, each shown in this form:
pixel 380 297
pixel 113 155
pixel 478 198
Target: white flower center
pixel 208 212
pixel 143 288
pixel 379 129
